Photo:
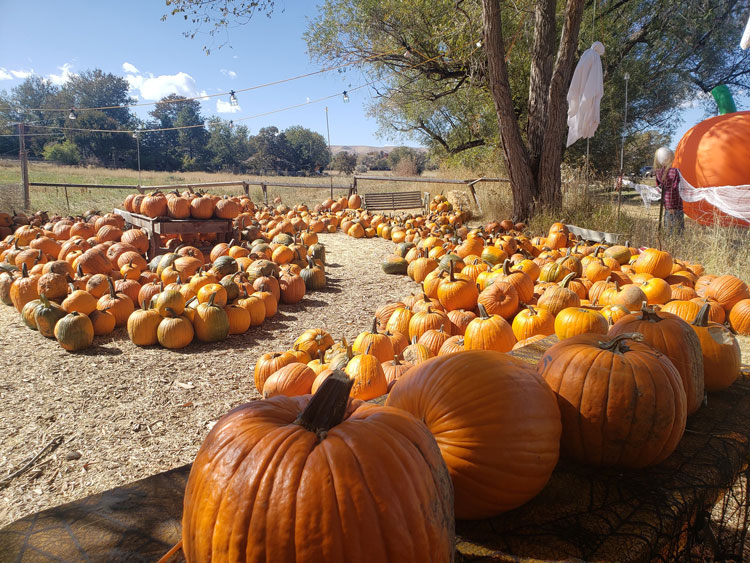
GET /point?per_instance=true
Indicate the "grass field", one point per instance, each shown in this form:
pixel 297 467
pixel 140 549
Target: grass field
pixel 720 250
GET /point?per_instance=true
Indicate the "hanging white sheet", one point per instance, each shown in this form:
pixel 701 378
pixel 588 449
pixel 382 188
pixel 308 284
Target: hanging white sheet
pixel 585 94
pixel 745 41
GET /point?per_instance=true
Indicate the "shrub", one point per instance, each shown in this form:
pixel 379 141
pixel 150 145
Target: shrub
pixel 62 153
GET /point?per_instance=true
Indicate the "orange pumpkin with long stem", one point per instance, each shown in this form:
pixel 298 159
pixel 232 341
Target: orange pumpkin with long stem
pixel 721 352
pixel 304 482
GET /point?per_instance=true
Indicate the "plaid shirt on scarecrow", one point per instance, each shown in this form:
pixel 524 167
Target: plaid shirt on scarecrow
pixel 670 187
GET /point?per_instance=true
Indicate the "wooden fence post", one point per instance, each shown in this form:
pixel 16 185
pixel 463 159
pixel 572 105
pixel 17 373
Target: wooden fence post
pixel 265 193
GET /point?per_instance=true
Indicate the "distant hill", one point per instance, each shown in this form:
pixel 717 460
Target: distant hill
pixel 364 149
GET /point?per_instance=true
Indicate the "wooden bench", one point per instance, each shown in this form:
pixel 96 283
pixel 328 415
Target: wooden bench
pixel 392 200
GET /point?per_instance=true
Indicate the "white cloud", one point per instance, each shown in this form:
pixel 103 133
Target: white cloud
pixel 6 74
pixel 229 73
pixel 157 87
pixel 223 106
pixel 63 77
pixel 129 68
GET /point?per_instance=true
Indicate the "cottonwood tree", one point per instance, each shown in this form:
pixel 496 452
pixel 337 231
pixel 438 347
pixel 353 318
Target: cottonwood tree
pixel 439 80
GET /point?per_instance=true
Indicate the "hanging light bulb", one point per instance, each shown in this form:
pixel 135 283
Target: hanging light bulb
pixel 135 134
pixel 232 98
pixel 346 97
pixel 72 114
pixel 231 124
pixel 479 43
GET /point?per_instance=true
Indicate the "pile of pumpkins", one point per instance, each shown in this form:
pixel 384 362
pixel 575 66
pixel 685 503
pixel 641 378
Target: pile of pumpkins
pixel 76 279
pixel 466 431
pixel 541 277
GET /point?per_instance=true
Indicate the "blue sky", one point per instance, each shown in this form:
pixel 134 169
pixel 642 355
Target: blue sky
pixel 54 39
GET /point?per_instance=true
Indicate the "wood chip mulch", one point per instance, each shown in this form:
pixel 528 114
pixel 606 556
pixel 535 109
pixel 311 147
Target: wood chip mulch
pixel 116 413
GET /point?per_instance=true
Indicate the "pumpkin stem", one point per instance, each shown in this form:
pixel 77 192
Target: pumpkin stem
pixel 452 277
pixel 172 313
pixel 566 280
pixel 532 310
pixel 701 319
pixel 506 267
pixel 482 312
pixel 616 345
pixel 111 286
pixel 374 329
pixel 24 270
pixel 648 313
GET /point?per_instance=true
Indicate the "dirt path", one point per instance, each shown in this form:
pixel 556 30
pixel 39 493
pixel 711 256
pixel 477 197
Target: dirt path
pixel 125 412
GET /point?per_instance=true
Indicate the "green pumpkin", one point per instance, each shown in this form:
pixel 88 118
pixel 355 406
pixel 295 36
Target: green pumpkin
pixel 225 266
pixel 403 248
pixel 395 265
pixel 445 262
pixel 27 313
pixel 74 332
pixel 262 268
pixel 317 251
pixel 47 315
pixel 233 290
pixel 211 322
pixel 313 276
pixel 283 238
pixel 165 261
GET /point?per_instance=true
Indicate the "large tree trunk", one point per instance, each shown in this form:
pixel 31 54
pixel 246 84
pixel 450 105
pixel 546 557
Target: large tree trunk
pixel 534 170
pixel 542 61
pixel 522 179
pixel 553 145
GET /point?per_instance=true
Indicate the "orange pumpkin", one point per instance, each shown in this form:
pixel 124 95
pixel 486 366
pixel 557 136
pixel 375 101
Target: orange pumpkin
pixel 312 490
pixel 497 425
pixel 622 404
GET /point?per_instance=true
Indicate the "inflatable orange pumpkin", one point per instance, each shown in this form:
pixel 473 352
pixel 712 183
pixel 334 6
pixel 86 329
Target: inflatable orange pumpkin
pixel 716 152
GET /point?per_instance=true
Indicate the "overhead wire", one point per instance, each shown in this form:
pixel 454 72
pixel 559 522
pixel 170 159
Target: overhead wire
pixel 233 91
pixel 178 128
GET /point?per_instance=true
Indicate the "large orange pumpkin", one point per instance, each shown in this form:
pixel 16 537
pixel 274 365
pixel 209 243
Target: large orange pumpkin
pixel 674 338
pixel 715 153
pixel 285 480
pixel 496 422
pixel 622 403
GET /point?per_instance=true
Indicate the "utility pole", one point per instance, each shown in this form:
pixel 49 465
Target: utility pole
pixel 24 158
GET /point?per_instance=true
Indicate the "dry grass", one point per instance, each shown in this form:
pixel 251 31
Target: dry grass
pixel 720 250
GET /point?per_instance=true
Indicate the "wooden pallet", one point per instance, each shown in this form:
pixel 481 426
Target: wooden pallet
pixel 392 200
pixel 155 227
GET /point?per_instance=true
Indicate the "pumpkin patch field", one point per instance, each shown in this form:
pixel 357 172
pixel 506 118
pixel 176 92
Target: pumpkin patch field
pixel 123 365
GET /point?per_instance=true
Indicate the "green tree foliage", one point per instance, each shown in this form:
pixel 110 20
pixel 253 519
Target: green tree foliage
pixel 344 162
pixel 62 153
pixel 214 17
pixel 431 72
pixel 414 160
pixel 228 146
pixel 310 149
pixel 175 136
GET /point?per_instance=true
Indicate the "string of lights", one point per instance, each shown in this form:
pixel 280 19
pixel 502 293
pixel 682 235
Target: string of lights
pixel 344 94
pixel 73 112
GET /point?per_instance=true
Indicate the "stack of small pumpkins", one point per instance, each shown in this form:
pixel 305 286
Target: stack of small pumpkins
pixel 187 205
